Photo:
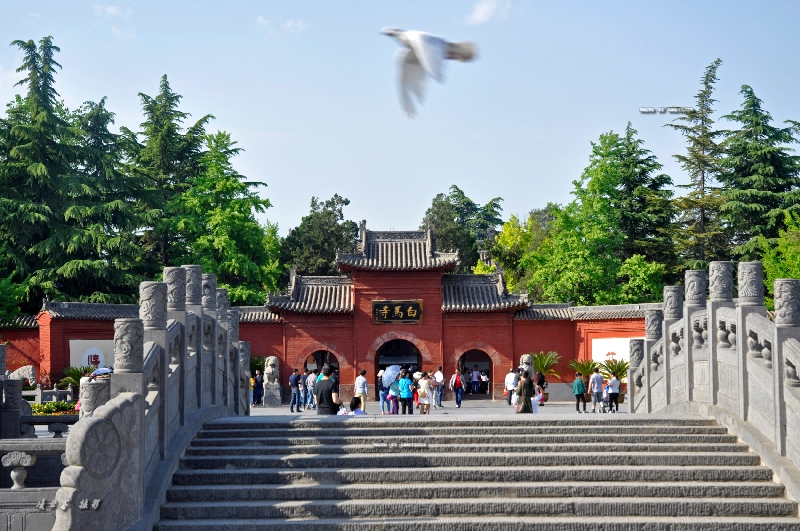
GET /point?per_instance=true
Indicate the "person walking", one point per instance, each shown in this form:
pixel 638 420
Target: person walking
pixel 525 391
pixel 258 395
pixel 394 395
pixel 294 385
pixel 511 384
pixel 457 386
pixel 383 394
pixel 613 395
pixel 303 389
pixel 424 394
pixel 476 381
pixel 252 389
pixel 311 381
pixel 438 391
pixel 362 389
pixel 406 394
pixel 596 389
pixel 326 393
pixel 578 389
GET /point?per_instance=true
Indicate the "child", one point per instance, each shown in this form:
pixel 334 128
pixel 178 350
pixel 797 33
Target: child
pixel 355 406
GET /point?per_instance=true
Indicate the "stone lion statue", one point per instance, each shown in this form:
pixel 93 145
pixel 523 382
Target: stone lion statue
pixel 526 363
pixel 271 373
pixel 28 372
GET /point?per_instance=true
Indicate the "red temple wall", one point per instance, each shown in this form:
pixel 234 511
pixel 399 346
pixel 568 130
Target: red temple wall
pixel 22 348
pixel 585 331
pixel 266 339
pixel 531 337
pixel 54 337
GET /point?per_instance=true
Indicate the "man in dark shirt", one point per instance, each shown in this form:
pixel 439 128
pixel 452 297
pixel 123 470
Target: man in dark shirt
pixel 294 384
pixel 326 392
pixel 303 388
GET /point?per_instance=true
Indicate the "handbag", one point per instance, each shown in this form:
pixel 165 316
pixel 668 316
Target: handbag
pixel 519 407
pixel 514 399
pixel 505 392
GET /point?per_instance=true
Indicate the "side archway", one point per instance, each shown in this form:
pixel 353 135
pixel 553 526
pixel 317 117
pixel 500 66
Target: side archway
pixel 497 359
pixel 389 336
pixel 300 360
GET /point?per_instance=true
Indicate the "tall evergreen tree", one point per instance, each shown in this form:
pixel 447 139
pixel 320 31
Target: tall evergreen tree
pixel 642 202
pixel 699 235
pixel 169 156
pixel 760 176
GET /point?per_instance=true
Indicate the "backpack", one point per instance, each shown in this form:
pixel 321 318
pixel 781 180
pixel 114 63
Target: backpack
pixel 458 380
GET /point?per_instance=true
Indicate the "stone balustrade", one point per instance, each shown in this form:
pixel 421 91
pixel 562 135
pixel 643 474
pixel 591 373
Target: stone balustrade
pixel 178 365
pixel 721 357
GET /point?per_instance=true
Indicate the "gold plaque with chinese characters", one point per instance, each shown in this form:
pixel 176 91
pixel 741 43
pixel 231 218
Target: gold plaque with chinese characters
pixel 397 312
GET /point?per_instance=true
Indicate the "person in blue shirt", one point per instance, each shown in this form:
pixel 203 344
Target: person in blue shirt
pixel 294 385
pixel 406 394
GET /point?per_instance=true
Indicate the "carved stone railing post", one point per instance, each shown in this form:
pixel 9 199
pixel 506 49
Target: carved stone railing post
pixel 12 406
pixel 153 313
pixel 720 291
pixel 18 460
pixel 209 335
pixel 787 326
pixel 223 348
pixel 244 363
pixel 750 301
pixel 128 357
pixel 696 282
pixel 175 277
pixel 673 312
pixel 653 326
pixel 93 395
pixel 194 332
pixel 233 361
pixel 636 359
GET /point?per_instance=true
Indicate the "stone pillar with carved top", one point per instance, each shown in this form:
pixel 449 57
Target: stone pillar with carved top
pixel 209 339
pixel 194 329
pixel 636 358
pixel 223 348
pixel 153 313
pixel 696 286
pixel 787 326
pixel 653 329
pixel 175 278
pixel 673 313
pixel 128 357
pixel 11 410
pixel 720 295
pixel 750 301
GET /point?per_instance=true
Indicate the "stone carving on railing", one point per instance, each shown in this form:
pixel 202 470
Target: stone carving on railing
pixel 696 285
pixel 153 305
pixel 656 357
pixel 751 284
pixel 674 344
pixel 272 387
pixel 721 283
pixel 128 350
pixel 636 352
pixel 104 455
pixel 194 284
pixel 673 302
pixel 26 372
pixel 787 302
pixel 93 395
pixel 18 460
pixel 222 304
pixel 175 278
pixel 174 346
pixel 722 336
pixel 766 352
pixel 732 336
pixel 697 335
pixel 652 324
pixel 209 291
pixel 754 348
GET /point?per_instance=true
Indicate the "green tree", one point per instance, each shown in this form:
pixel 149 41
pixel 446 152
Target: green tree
pixel 215 217
pixel 760 177
pixel 781 256
pixel 170 156
pixel 312 245
pixel 515 239
pixel 11 295
pixel 699 233
pixel 458 223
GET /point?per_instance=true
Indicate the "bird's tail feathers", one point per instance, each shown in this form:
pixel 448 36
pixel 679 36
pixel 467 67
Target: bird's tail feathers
pixel 462 51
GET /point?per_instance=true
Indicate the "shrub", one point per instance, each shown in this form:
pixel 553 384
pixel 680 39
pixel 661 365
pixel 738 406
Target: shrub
pixel 54 408
pixel 585 367
pixel 545 363
pixel 618 367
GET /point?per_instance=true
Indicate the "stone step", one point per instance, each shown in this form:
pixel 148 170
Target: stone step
pixel 256 432
pixel 430 459
pixel 469 490
pixel 291 440
pixel 587 473
pixel 495 523
pixel 415 421
pixel 466 449
pixel 404 507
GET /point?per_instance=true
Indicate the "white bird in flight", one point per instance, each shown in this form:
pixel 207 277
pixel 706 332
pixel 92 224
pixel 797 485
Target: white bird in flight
pixel 424 55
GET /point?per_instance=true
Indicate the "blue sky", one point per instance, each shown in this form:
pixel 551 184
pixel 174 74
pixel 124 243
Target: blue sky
pixel 308 88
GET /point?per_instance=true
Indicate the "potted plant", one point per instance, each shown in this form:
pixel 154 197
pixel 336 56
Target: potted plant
pixel 586 368
pixel 545 364
pixel 618 367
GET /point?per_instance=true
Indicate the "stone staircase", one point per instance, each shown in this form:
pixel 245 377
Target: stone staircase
pixel 535 473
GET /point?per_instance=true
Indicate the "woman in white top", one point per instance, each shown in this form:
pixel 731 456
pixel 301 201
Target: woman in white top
pixel 424 394
pixel 613 394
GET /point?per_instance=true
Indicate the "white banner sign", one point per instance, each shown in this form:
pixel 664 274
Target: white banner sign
pixel 97 352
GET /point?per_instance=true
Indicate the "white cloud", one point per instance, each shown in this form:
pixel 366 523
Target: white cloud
pixel 34 15
pixel 295 26
pixel 123 34
pixel 112 11
pixel 486 10
pixel 264 22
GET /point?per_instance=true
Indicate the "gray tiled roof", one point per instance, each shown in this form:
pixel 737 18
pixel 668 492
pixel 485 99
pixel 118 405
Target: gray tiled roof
pixel 478 293
pixel 563 312
pixel 90 311
pixel 256 314
pixel 534 313
pixel 21 321
pixel 315 295
pixel 396 251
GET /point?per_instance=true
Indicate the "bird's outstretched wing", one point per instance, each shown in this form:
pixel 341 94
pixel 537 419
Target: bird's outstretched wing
pixel 431 52
pixel 412 79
